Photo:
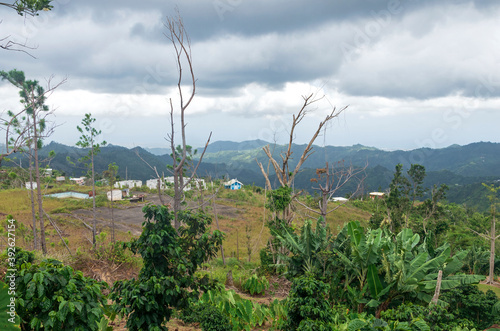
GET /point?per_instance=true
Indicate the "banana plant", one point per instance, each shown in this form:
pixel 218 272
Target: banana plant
pixel 360 259
pixel 244 314
pixel 409 269
pixel 304 247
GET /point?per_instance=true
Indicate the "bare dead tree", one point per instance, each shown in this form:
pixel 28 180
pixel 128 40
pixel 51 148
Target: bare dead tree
pixel 282 169
pixel 179 38
pixel 492 234
pixel 9 45
pixel 330 180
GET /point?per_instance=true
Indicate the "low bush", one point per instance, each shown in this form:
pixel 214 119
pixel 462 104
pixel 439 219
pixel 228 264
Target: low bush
pixel 209 317
pixel 256 285
pixel 51 296
pixel 307 306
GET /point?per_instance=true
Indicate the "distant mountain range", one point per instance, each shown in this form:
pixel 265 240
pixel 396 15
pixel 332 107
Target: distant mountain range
pixel 463 168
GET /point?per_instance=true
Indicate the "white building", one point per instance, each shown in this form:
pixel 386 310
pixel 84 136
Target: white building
pixel 128 183
pixel 28 185
pixel 377 195
pixel 340 199
pixel 195 183
pixel 79 180
pixel 153 184
pixel 116 194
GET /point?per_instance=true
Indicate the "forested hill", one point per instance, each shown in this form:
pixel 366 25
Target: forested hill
pixel 463 168
pixel 477 159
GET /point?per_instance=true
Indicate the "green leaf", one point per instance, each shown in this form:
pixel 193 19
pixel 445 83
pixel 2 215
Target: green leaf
pixel 356 324
pixel 35 323
pixel 374 283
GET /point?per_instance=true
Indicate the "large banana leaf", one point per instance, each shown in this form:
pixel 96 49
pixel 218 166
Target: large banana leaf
pixel 374 283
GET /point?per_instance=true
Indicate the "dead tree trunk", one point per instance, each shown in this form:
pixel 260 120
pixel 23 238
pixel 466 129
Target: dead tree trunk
pixel 435 298
pixel 179 38
pixel 284 174
pixel 43 244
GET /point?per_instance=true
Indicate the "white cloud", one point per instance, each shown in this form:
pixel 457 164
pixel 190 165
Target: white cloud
pixel 421 62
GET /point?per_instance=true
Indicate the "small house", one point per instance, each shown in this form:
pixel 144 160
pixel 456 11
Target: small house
pixel 339 199
pixel 153 183
pixel 377 195
pixel 60 179
pixel 78 181
pixel 131 183
pixel 115 195
pixel 233 184
pixel 28 185
pixel 46 172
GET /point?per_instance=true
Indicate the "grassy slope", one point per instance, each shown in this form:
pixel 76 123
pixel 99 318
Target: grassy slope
pixel 247 216
pixel 17 203
pixel 485 288
pixel 240 213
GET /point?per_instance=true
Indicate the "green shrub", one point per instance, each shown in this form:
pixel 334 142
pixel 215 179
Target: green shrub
pixel 437 317
pixel 468 302
pixel 209 317
pixel 171 258
pixel 256 285
pixel 307 306
pixel 51 296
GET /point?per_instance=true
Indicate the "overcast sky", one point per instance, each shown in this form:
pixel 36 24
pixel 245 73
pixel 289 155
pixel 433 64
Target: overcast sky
pixel 413 73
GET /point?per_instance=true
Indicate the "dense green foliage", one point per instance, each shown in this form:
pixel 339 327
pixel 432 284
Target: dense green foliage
pixel 256 285
pixel 52 296
pixel 242 313
pixel 209 317
pixel 167 279
pixel 9 321
pixel 307 306
pixel 467 302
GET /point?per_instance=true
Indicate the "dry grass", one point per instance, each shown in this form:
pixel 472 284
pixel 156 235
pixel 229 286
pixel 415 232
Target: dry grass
pixel 239 218
pixel 242 217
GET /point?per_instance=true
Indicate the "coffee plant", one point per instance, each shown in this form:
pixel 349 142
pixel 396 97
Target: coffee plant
pixel 51 296
pixel 167 280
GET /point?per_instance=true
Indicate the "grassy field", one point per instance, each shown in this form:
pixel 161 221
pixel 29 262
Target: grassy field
pixel 241 215
pixel 485 288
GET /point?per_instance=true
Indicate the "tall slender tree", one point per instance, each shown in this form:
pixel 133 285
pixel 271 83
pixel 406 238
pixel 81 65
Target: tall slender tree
pixel 110 175
pixel 88 140
pixel 25 131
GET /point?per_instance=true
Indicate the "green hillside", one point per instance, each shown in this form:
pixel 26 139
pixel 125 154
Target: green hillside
pixel 462 168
